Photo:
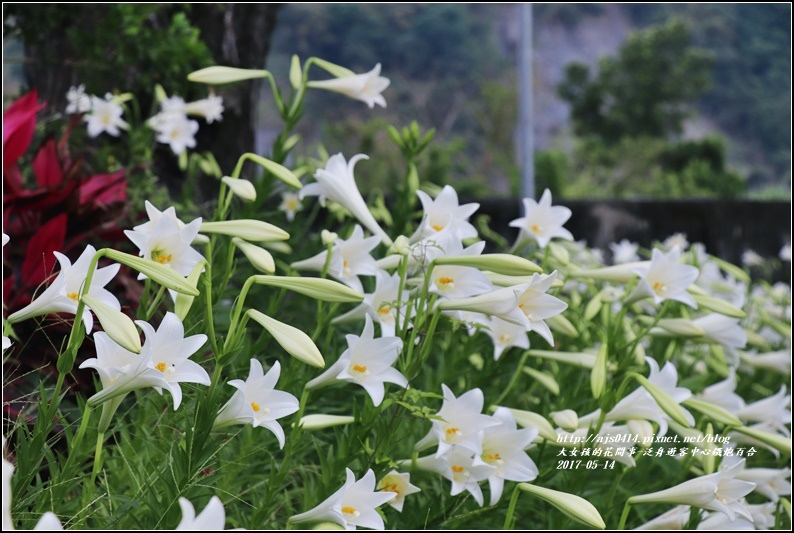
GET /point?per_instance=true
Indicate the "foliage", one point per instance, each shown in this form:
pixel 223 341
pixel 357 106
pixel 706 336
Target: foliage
pixel 642 92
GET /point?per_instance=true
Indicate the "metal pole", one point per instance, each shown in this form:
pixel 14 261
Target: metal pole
pixel 525 104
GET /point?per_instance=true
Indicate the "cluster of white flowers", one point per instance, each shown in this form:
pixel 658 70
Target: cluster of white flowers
pixel 171 124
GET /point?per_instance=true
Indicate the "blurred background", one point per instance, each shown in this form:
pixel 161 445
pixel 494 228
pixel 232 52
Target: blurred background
pixel 634 104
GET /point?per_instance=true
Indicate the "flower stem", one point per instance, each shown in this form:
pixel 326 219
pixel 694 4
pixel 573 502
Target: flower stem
pixel 511 509
pixel 624 516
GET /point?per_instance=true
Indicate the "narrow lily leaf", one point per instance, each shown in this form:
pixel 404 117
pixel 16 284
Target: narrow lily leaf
pixel 312 422
pixel 321 289
pixel 294 341
pixel 562 325
pixel 574 507
pixel 714 412
pixel 664 400
pixel 295 74
pixel 259 257
pixel 250 230
pixel 165 276
pixel 241 188
pixel 720 306
pixel 116 324
pixel 184 301
pixel 506 264
pixel 217 75
pixel 598 376
pixel 544 379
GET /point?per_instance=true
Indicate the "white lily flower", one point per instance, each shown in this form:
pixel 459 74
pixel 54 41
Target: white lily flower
pixel 542 222
pixel 445 213
pixel 674 520
pixel 163 240
pixel 380 305
pixel 352 505
pixel 624 251
pixel 640 405
pixel 779 361
pixel 336 182
pixel 503 448
pixel 365 87
pixel 504 335
pixel 105 116
pixel 723 287
pixel 400 484
pixel 169 349
pixel 453 281
pixel 676 239
pixel 461 423
pixel 716 492
pixel 785 253
pixel 290 204
pixel 771 482
pixel 63 294
pixel 257 402
pixel 750 258
pixel 723 395
pixel 459 467
pixel 537 306
pixel 350 258
pixel 368 362
pixel 665 278
pixel 212 518
pixel 79 102
pixel 773 409
pixel 175 130
pixel 211 108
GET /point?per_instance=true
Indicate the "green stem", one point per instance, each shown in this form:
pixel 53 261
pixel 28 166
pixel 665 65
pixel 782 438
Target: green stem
pixel 624 516
pixel 153 307
pixel 511 509
pixel 514 380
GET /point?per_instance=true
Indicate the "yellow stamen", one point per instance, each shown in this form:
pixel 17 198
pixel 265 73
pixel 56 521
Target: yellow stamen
pixel 452 431
pixel 659 287
pixel 73 296
pixel 457 469
pixel 504 338
pixel 437 227
pixel 348 510
pixel 384 310
pixel 535 228
pixel 493 456
pixel 255 407
pixel 162 257
pixel 359 368
pixel 161 367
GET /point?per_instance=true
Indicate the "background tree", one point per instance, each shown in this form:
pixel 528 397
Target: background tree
pixel 645 91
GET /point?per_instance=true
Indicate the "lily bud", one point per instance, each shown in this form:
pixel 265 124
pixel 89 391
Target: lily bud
pixel 559 253
pixel 714 412
pixel 618 273
pixel 582 359
pixel 295 74
pixel 528 419
pixel 545 379
pixel 321 289
pixel 250 230
pixel 560 324
pixel 401 246
pixel 241 188
pixel 598 376
pixel 164 275
pixel 259 257
pixel 664 400
pixel 678 327
pixel 722 307
pixel 506 264
pixel 328 237
pixel 314 422
pixel 567 419
pixel 217 75
pixel 184 302
pixel 294 341
pixel 573 507
pixel 116 324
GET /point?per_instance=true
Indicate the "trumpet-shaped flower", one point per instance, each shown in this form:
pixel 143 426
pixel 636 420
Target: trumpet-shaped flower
pixel 365 87
pixel 400 484
pixel 105 116
pixel 349 259
pixel 211 108
pixel 537 306
pixel 771 482
pixel 723 395
pixel 453 281
pixel 212 518
pixel 542 222
pixel 169 349
pixel 461 424
pixel 722 330
pixel 716 492
pixel 773 409
pixel 367 361
pixel 381 304
pixel 445 213
pixel 504 335
pixel 336 182
pixel 503 448
pixel 79 102
pixel 460 468
pixel 665 278
pixel 177 131
pixel 167 243
pixel 352 505
pixel 257 402
pixel 63 294
pixel 290 204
